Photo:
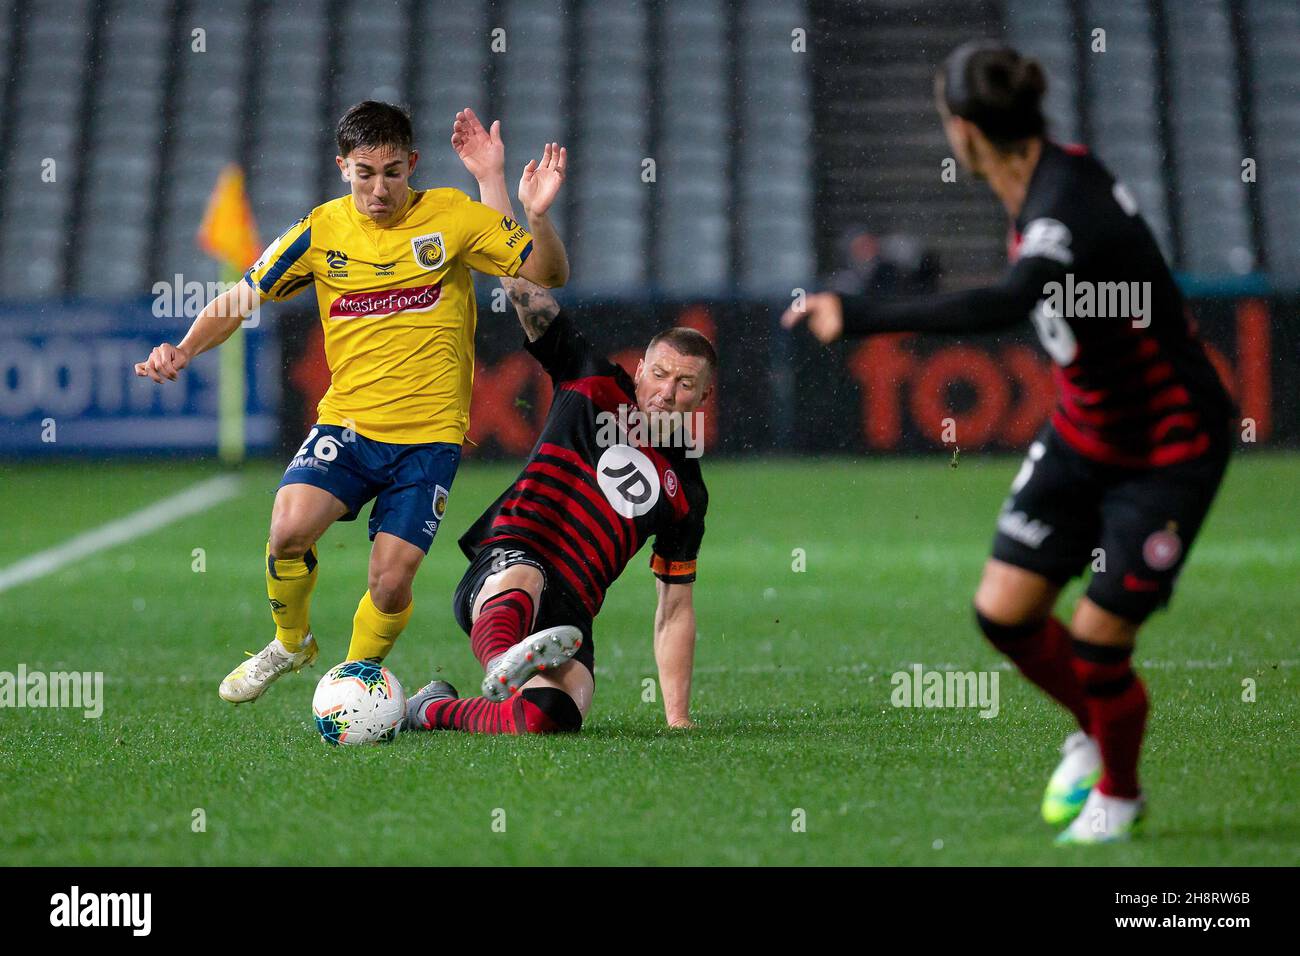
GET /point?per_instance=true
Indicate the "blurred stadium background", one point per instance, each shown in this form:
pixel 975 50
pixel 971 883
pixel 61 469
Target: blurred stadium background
pixel 725 153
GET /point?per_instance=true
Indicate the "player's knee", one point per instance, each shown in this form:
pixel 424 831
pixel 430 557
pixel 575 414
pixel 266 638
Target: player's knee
pixel 390 589
pixel 288 542
pixel 523 577
pixel 1005 635
pixel 552 711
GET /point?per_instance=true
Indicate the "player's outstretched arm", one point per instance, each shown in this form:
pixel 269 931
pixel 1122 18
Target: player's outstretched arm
pixel 540 184
pixel 483 152
pixel 984 309
pixel 675 650
pixel 216 323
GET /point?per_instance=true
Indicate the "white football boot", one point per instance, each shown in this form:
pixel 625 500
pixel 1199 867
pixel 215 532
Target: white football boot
pixel 419 702
pixel 535 653
pixel 250 679
pixel 1072 780
pixel 1104 819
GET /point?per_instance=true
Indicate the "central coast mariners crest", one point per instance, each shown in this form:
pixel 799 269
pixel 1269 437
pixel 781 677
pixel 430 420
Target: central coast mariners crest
pixel 429 251
pixel 439 509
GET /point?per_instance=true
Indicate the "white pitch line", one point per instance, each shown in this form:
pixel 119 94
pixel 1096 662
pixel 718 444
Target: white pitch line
pixel 201 497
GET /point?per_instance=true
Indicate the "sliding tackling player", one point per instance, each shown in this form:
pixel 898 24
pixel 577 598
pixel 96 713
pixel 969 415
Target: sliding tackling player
pixel 544 554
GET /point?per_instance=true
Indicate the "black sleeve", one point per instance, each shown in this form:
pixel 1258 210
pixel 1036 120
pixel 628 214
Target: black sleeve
pixel 673 557
pixel 565 352
pixel 972 310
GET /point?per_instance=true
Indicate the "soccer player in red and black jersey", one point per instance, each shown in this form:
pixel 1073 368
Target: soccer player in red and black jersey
pixel 1122 476
pixel 591 494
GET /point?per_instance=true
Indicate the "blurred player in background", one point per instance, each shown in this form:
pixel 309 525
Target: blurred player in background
pixel 544 554
pixel 391 269
pixel 1134 452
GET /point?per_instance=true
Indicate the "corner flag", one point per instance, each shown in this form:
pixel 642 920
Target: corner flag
pixel 229 234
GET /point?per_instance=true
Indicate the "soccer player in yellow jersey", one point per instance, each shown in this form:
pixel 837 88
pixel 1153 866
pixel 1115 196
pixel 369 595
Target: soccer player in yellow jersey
pixel 391 268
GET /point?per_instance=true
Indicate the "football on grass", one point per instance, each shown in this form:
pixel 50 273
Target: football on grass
pixel 358 702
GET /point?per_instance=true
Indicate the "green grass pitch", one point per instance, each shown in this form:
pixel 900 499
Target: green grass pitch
pixel 792 690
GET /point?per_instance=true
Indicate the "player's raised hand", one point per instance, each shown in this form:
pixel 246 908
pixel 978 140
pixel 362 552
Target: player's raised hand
pixel 164 362
pixel 482 152
pixel 541 182
pixel 824 313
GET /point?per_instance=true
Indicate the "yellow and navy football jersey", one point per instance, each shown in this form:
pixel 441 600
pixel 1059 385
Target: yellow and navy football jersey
pixel 397 304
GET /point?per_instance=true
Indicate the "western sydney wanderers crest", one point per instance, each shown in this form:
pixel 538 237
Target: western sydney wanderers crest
pixel 429 251
pixel 1162 549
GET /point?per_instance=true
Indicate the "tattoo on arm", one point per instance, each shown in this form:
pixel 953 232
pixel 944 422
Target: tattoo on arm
pixel 535 305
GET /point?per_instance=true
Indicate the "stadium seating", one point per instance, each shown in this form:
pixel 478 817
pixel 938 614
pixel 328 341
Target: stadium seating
pixel 1207 141
pixel 206 134
pixel 46 127
pixel 1124 123
pixel 711 91
pixel 1273 28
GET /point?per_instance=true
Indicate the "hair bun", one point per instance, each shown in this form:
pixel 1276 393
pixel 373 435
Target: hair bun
pixel 1028 79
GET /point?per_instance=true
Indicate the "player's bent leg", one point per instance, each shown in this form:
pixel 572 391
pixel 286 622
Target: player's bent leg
pixel 547 649
pixel 504 611
pixel 1117 706
pixel 1013 608
pixel 301 514
pixel 552 703
pixel 573 680
pixel 385 608
pixel 1011 595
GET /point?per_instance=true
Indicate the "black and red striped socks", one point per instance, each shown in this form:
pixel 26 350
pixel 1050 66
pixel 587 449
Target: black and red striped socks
pixel 1042 653
pixel 1117 713
pixel 503 621
pixel 536 710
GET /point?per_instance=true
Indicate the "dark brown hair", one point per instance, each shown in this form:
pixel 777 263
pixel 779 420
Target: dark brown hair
pixel 997 89
pixel 370 124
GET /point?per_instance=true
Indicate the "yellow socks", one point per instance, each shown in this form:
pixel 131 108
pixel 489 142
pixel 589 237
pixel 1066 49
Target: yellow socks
pixel 373 631
pixel 289 582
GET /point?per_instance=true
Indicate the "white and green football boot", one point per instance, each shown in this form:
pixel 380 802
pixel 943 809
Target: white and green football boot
pixel 250 679
pixel 1104 819
pixel 535 653
pixel 1072 780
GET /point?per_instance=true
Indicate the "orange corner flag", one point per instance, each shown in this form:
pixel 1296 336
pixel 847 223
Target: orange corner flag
pixel 228 232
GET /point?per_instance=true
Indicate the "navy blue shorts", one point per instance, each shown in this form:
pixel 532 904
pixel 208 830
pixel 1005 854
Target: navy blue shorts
pixel 410 484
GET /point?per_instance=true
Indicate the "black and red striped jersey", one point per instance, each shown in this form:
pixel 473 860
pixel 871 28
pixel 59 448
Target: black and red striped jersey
pixel 1135 385
pixel 584 503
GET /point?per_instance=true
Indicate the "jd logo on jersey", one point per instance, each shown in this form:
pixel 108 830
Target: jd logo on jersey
pixel 629 480
pixel 429 251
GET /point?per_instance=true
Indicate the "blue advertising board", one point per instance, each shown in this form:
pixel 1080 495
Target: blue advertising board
pixel 68 385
